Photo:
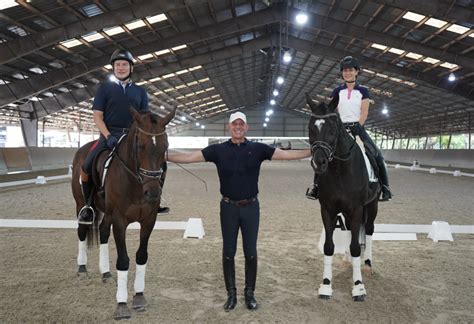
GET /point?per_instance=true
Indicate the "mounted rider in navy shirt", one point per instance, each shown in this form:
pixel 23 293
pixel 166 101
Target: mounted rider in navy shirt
pixel 353 108
pixel 112 117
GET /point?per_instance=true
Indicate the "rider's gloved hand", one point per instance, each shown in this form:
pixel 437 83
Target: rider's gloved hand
pixel 111 141
pixel 356 129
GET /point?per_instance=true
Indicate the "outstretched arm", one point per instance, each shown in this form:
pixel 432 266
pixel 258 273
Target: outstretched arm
pixel 191 157
pixel 290 154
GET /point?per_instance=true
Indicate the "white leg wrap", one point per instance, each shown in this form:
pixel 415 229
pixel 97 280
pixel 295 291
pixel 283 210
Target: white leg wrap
pixel 82 253
pixel 122 294
pixel 140 278
pixel 368 247
pixel 327 273
pixel 104 258
pixel 356 272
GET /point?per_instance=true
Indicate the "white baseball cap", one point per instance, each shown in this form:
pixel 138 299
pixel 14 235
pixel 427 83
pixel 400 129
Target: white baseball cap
pixel 237 115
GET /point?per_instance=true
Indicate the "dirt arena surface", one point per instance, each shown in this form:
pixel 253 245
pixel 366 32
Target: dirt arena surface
pixel 414 281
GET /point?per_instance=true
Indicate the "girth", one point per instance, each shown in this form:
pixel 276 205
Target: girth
pixel 240 203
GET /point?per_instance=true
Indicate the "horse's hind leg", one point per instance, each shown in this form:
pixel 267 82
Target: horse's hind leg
pixel 139 301
pixel 104 263
pixel 371 212
pixel 329 221
pixel 358 290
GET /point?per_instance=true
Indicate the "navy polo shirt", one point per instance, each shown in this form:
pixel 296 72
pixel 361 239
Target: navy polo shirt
pixel 115 99
pixel 238 166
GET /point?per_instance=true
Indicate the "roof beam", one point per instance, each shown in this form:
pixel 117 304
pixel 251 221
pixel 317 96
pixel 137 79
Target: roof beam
pixel 345 29
pixel 332 53
pixel 36 84
pixel 435 8
pixel 78 95
pixel 10 51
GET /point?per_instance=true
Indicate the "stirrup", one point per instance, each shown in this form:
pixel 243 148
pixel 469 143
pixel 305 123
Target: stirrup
pixel 86 220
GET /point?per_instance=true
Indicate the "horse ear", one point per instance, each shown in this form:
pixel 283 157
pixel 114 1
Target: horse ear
pixel 135 114
pixel 168 117
pixel 333 104
pixel 311 103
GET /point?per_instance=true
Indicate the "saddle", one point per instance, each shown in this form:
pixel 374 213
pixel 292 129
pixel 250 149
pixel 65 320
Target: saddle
pixel 101 166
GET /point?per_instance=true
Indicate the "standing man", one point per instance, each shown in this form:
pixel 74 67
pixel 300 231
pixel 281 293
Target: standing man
pixel 238 163
pixel 113 118
pixel 353 109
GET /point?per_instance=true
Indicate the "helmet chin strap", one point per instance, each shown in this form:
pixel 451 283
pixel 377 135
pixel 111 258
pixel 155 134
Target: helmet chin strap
pixel 351 81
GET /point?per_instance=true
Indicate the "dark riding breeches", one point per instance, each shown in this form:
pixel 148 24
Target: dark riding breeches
pixel 246 218
pixel 101 145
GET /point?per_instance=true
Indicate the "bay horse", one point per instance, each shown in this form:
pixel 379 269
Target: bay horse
pixel 343 188
pixel 131 193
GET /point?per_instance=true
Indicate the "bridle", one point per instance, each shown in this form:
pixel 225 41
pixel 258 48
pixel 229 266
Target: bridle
pixel 140 173
pixel 329 151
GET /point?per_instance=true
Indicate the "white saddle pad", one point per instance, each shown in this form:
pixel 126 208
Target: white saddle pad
pixel 370 170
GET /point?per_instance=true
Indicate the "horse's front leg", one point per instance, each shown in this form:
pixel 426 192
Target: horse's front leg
pixel 329 221
pixel 146 227
pixel 104 262
pixel 358 290
pixel 119 228
pixel 82 251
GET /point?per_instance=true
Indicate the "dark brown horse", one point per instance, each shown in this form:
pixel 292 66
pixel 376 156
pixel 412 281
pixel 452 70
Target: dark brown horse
pixel 131 193
pixel 343 188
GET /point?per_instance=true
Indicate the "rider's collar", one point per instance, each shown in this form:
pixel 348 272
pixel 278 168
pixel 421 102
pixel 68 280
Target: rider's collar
pixel 121 83
pixel 245 142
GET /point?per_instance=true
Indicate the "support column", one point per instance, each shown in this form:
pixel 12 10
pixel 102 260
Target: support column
pixel 29 129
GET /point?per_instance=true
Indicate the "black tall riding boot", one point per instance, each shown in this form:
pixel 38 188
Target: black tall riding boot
pixel 228 266
pixel 250 278
pixel 383 174
pixel 313 191
pixel 86 214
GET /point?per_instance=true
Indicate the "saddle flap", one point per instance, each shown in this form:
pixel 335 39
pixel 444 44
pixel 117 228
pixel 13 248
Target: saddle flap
pixel 368 164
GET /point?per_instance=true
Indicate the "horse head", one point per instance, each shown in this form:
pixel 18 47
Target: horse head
pixel 150 142
pixel 324 127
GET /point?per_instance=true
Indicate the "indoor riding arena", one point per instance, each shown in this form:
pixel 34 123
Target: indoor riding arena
pixel 293 68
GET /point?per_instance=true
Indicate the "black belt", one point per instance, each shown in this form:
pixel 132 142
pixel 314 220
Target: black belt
pixel 240 203
pixel 346 125
pixel 118 129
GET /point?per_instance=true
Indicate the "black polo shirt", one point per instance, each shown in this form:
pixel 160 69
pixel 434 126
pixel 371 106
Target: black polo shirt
pixel 115 100
pixel 238 166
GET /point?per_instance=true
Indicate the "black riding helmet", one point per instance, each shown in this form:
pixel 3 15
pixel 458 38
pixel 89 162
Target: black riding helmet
pixel 121 54
pixel 349 62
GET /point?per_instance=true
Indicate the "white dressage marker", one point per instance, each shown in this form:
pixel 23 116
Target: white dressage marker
pixel 38 180
pixel 193 228
pixel 455 173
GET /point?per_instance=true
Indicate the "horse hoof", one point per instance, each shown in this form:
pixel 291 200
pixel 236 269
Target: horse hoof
pixel 325 291
pixel 139 302
pixel 122 312
pixel 360 298
pixel 107 277
pixel 82 272
pixel 359 292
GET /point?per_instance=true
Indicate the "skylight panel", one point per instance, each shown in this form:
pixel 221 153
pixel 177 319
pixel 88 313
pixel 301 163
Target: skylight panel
pixel 449 65
pixel 396 51
pixel 413 16
pixel 414 56
pixel 145 56
pixel 436 22
pixel 177 48
pixel 92 37
pixel 114 30
pixel 135 24
pixel 91 10
pixel 4 4
pixel 71 43
pixel 379 46
pixel 458 29
pixel 156 18
pixel 165 51
pixel 430 60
